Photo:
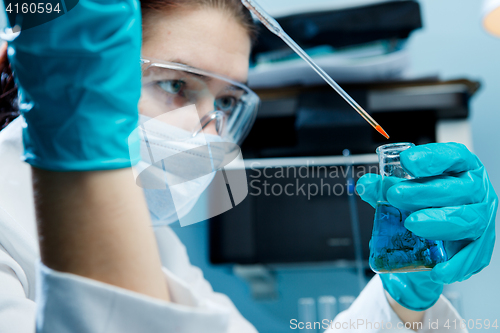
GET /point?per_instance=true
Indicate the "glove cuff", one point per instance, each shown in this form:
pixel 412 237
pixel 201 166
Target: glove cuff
pixel 414 291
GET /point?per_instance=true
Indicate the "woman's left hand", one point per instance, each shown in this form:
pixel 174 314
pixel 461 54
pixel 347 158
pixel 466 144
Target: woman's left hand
pixel 452 200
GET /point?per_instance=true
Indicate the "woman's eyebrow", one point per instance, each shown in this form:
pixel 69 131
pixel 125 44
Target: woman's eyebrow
pixel 201 77
pixel 204 78
pixel 178 61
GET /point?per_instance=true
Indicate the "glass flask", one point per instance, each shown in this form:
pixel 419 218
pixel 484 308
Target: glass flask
pixel 393 248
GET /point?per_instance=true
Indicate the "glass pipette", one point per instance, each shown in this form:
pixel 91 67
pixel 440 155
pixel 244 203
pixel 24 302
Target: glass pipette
pixel 273 26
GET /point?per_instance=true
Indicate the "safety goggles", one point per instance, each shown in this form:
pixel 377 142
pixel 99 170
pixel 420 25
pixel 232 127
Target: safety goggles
pixel 224 107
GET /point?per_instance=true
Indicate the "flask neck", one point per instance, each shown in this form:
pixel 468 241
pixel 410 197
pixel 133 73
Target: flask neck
pixel 390 162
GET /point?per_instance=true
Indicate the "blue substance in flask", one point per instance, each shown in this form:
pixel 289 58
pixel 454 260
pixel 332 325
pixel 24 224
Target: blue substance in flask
pixel 393 248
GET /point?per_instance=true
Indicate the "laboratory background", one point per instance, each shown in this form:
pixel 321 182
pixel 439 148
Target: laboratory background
pixel 453 48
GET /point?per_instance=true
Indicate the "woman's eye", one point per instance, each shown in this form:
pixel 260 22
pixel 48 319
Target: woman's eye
pixel 172 86
pixel 226 103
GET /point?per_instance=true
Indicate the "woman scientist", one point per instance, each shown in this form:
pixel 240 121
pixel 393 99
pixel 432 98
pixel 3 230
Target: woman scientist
pixel 102 269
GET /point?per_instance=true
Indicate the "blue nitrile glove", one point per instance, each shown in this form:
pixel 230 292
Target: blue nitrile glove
pixel 454 201
pixel 80 82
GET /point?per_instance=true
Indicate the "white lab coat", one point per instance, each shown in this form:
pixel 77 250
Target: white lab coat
pixel 70 303
pixel 371 313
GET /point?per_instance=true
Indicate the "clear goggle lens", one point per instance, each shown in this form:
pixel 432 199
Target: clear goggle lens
pixel 224 107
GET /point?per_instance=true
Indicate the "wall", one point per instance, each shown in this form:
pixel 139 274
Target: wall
pixel 452 44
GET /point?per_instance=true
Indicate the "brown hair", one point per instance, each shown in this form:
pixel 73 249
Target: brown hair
pixel 9 109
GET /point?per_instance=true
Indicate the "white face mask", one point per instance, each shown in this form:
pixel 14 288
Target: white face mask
pixel 175 168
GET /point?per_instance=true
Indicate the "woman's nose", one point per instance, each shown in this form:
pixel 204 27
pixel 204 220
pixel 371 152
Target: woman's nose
pixel 211 128
pixel 205 106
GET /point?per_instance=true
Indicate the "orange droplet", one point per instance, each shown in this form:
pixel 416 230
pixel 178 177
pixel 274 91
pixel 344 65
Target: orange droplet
pixel 381 131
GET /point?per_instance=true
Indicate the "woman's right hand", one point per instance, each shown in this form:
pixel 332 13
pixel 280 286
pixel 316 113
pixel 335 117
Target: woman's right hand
pixel 80 81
